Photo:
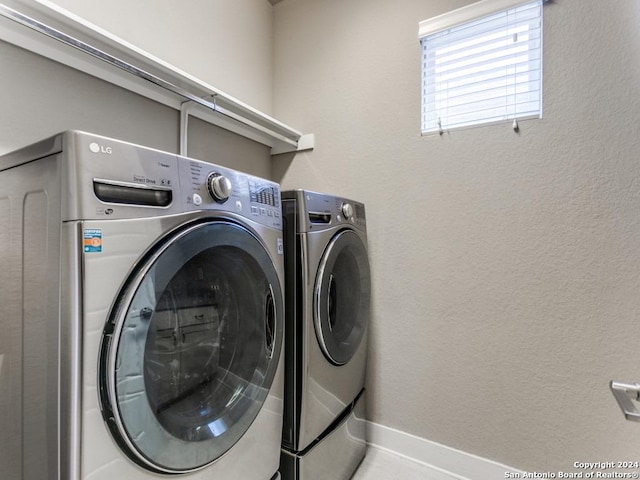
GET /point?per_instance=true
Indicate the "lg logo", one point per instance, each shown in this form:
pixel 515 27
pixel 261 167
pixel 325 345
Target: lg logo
pixel 95 148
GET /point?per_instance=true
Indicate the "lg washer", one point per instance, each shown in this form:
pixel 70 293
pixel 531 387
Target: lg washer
pixel 328 294
pixel 142 315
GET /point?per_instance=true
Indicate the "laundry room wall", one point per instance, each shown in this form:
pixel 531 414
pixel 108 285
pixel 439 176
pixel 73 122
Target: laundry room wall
pixel 40 97
pixel 505 264
pixel 226 44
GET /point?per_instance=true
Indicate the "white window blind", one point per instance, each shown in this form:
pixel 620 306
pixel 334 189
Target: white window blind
pixel 482 71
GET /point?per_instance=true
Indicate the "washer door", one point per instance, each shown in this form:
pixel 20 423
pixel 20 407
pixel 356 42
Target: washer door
pixel 191 349
pixel 342 297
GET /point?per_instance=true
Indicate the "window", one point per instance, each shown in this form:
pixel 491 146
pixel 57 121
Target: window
pixel 482 66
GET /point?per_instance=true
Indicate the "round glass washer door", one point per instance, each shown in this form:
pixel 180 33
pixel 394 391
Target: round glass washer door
pixel 191 349
pixel 342 297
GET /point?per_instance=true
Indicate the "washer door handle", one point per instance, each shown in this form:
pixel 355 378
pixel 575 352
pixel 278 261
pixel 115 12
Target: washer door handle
pixel 626 395
pixel 270 323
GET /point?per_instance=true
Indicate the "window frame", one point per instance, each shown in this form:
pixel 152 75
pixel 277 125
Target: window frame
pixel 470 14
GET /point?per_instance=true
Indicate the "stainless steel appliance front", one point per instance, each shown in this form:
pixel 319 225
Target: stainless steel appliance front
pixel 328 293
pixel 147 291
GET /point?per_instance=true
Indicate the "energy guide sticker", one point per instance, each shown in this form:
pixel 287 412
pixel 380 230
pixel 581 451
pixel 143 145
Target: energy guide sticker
pixel 92 240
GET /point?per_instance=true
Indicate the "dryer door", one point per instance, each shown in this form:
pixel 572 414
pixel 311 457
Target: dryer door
pixel 191 349
pixel 342 297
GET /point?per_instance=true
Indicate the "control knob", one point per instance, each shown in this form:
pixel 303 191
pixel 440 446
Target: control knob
pixel 347 210
pixel 219 187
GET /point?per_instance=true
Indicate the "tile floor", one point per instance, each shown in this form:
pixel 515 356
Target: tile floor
pixel 382 464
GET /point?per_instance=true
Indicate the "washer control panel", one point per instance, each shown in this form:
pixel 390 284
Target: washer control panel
pixel 265 199
pixel 205 186
pixel 219 187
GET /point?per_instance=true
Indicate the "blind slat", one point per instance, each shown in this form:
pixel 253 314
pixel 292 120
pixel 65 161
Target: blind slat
pixel 487 25
pixel 523 61
pixel 524 39
pixel 487 104
pixel 495 94
pixel 466 14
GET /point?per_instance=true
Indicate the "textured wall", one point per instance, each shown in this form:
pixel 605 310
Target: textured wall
pixel 506 266
pixel 227 44
pixel 40 98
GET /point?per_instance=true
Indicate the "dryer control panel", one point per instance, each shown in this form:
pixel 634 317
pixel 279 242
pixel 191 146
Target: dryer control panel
pixel 205 186
pixel 350 211
pixel 324 210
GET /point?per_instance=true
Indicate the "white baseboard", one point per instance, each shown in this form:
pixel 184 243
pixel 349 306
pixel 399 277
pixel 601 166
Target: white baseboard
pixel 456 463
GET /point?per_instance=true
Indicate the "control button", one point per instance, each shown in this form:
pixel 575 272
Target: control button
pixel 254 210
pixel 263 211
pixel 197 199
pixel 219 187
pixel 238 205
pixel 347 210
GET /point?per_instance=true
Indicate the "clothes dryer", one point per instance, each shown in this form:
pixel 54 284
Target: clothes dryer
pixel 142 315
pixel 328 293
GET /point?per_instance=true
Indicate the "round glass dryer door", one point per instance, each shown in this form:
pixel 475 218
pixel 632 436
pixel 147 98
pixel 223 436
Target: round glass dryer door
pixel 342 297
pixel 192 347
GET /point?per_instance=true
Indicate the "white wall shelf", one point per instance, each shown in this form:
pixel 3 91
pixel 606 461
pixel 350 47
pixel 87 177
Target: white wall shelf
pixel 48 30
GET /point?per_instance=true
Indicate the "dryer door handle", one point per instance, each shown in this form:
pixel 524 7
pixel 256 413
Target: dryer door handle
pixel 332 303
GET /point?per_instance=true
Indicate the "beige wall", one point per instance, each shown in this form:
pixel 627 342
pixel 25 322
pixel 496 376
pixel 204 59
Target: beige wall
pixel 506 266
pixel 227 44
pixel 40 97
